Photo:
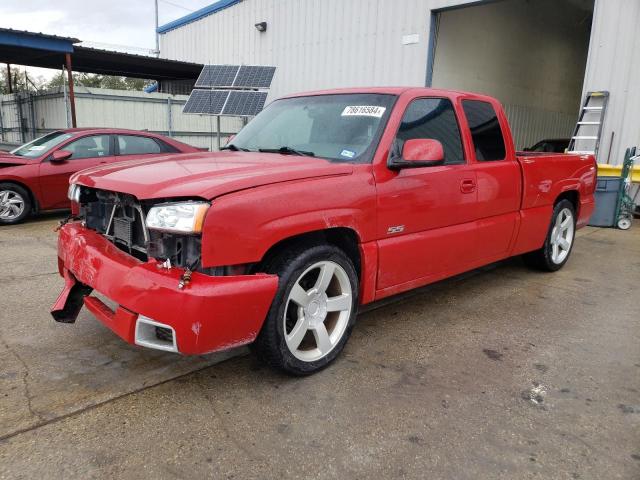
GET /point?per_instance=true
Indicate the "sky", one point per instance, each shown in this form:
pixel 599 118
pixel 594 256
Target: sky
pixel 103 23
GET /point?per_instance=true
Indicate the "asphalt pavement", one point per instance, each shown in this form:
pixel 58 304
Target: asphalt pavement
pixel 504 373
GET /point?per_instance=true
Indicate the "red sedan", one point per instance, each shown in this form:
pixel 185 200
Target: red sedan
pixel 35 176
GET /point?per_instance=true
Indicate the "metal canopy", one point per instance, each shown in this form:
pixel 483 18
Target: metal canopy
pixel 48 51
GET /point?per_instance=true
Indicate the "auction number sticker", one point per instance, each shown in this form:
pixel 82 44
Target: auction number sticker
pixel 363 111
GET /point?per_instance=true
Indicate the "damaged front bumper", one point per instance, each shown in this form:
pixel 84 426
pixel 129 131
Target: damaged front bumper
pixel 207 315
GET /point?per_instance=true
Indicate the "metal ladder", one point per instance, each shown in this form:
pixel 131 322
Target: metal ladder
pixel 586 136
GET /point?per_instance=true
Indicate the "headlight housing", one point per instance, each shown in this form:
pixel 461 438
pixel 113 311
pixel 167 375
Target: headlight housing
pixel 74 193
pixel 179 217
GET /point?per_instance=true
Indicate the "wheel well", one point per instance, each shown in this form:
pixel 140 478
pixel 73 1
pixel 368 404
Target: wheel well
pixel 344 238
pixel 34 201
pixel 572 195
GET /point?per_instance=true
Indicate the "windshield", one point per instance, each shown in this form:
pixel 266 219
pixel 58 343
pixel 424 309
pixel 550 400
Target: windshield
pixel 40 145
pixel 342 127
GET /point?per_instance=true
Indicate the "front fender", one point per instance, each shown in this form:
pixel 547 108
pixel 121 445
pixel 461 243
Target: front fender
pixel 241 227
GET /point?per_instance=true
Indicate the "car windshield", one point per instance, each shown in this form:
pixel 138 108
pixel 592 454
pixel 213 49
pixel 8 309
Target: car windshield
pixel 40 145
pixel 341 127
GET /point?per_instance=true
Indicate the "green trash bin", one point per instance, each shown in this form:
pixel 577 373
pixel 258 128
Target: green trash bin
pixel 607 190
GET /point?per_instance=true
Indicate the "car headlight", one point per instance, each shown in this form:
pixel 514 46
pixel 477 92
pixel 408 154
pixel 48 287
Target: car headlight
pixel 74 193
pixel 183 217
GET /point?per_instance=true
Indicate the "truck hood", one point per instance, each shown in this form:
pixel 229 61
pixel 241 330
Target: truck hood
pixel 205 175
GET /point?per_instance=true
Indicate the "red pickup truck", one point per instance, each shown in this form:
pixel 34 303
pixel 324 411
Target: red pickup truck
pixel 324 202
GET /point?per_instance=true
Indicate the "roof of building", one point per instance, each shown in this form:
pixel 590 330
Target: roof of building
pixel 36 40
pixel 197 15
pixel 48 51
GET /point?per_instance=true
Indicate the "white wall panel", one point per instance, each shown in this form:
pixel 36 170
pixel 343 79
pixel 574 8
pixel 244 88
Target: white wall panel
pixel 614 65
pixel 315 44
pixel 340 43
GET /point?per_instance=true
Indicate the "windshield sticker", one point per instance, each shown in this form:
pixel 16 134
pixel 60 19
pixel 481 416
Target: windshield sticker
pixel 37 147
pixel 348 153
pixel 363 111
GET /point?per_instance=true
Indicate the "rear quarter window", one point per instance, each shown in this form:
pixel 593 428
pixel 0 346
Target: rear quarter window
pixel 488 141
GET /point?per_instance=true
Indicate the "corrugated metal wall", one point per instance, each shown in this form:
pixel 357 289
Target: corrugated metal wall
pixel 530 125
pixel 314 43
pixel 157 112
pixel 332 43
pixel 319 44
pixel 614 65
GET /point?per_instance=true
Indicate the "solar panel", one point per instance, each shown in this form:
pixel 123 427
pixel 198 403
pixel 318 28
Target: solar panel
pixel 206 101
pixel 244 103
pixel 254 77
pixel 217 76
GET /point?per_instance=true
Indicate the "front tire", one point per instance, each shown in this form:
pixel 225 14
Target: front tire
pixel 15 204
pixel 559 242
pixel 313 312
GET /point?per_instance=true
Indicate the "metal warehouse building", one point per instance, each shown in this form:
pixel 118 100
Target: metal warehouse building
pixel 538 57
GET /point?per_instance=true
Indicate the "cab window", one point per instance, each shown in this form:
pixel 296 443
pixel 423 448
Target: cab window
pixel 136 145
pixel 432 118
pixel 89 147
pixel 488 141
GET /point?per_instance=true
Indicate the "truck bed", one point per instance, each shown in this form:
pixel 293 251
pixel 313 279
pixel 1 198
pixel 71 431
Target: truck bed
pixel 545 177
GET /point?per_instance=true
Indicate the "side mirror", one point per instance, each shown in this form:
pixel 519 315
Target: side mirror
pixel 60 156
pixel 419 152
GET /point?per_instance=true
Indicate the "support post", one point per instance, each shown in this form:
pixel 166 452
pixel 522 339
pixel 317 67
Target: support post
pixel 32 114
pixel 9 79
pixel 1 123
pixel 72 98
pixel 219 132
pixel 157 52
pixel 23 138
pixel 66 103
pixel 169 118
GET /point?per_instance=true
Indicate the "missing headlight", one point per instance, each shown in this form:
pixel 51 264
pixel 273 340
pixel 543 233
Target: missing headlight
pixel 181 250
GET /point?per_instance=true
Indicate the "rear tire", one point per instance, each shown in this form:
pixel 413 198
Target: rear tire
pixel 559 242
pixel 15 204
pixel 313 312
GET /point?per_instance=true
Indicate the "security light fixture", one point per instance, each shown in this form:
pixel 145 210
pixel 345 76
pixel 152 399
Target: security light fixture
pixel 261 27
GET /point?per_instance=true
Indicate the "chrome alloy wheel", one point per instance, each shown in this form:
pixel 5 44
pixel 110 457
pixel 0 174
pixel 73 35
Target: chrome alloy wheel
pixel 317 311
pixel 562 236
pixel 11 205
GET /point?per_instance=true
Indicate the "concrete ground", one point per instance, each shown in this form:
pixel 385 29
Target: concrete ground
pixel 506 373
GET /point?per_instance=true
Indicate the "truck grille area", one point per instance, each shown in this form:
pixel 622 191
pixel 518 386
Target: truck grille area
pixel 117 216
pixel 121 218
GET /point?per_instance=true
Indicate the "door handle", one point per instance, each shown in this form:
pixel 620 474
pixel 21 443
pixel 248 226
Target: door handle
pixel 468 186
